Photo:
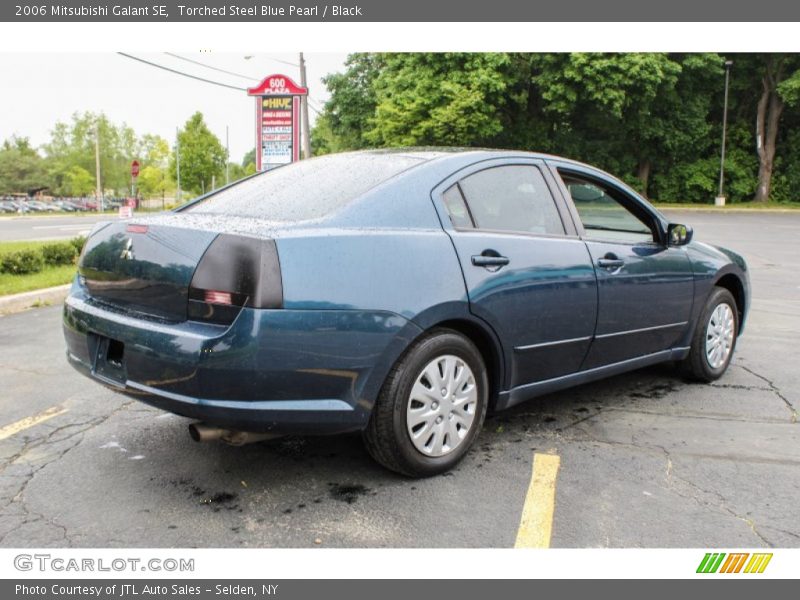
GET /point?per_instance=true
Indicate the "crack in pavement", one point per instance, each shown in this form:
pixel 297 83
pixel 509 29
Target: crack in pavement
pixel 686 415
pixel 777 391
pixel 670 477
pixel 75 437
pixel 722 503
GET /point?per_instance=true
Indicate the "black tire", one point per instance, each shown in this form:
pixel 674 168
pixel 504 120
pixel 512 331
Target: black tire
pixel 387 438
pixel 696 366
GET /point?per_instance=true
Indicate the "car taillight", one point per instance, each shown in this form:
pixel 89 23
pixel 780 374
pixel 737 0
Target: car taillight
pixel 215 297
pixel 235 272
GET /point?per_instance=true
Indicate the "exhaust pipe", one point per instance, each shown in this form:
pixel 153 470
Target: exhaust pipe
pixel 201 432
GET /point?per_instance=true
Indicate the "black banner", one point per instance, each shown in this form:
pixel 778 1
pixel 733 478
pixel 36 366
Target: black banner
pixel 419 589
pixel 407 10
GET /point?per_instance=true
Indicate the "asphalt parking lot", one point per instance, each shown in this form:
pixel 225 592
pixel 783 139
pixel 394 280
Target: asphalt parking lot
pixel 646 459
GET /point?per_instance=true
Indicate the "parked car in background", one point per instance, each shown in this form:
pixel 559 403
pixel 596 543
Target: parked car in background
pixel 401 294
pixel 64 206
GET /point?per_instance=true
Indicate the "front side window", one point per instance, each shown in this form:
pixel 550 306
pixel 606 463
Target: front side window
pixel 512 198
pixel 603 215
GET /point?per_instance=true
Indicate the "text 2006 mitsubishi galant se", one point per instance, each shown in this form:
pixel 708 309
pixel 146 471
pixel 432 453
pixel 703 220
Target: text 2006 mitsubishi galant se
pixel 398 293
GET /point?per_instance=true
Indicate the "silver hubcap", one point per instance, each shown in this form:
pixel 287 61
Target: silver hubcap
pixel 719 336
pixel 441 407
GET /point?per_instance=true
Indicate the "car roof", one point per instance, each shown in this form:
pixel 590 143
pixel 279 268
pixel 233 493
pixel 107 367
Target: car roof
pixel 457 154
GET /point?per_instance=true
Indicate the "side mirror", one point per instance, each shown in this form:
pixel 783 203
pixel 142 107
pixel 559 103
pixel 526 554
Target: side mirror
pixel 678 234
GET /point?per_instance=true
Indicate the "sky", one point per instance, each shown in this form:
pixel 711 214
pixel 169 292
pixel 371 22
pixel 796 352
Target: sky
pixel 39 89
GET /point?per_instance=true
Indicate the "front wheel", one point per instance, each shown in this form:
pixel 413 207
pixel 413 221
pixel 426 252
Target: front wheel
pixel 714 338
pixel 431 407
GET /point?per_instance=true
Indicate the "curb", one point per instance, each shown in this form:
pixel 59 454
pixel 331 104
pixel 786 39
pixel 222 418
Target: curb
pixel 18 302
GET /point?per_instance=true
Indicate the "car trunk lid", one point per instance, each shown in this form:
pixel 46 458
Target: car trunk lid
pixel 144 268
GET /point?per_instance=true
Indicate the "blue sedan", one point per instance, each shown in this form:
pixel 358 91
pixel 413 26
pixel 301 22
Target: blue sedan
pixel 397 293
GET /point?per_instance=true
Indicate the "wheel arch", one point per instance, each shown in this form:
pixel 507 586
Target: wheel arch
pixel 456 317
pixel 487 344
pixel 734 284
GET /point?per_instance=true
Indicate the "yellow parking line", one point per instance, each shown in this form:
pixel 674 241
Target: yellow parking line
pixel 27 422
pixel 536 524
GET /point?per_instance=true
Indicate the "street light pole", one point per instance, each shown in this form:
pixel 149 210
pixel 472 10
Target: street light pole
pixel 99 188
pixel 720 200
pixel 178 161
pixel 304 107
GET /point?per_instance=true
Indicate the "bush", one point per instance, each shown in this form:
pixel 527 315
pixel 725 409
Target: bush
pixel 61 253
pixel 22 262
pixel 78 243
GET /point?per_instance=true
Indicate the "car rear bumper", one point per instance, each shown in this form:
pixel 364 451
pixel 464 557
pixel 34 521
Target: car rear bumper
pixel 278 371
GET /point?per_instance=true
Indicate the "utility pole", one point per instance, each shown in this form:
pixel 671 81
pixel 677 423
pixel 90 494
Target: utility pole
pixel 304 111
pixel 178 161
pixel 99 190
pixel 720 200
pixel 227 157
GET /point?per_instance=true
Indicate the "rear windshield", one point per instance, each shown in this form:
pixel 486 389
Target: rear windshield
pixel 308 189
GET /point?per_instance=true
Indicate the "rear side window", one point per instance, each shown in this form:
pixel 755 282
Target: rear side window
pixel 512 198
pixel 308 189
pixel 457 208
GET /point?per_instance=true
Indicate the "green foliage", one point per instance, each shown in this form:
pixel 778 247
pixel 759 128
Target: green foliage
pixel 345 122
pixel 71 155
pixel 202 156
pixel 59 253
pixel 249 158
pixel 22 262
pixel 77 181
pixel 450 99
pixel 22 169
pixel 78 243
pixel 653 119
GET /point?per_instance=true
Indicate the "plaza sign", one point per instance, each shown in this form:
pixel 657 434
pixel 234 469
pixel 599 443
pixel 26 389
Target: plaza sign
pixel 277 121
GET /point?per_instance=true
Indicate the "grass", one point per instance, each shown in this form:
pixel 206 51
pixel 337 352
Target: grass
pixel 47 277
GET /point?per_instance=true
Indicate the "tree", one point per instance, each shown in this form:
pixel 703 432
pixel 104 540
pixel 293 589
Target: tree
pixel 202 155
pixel 78 182
pixel 22 169
pixel 154 181
pixel 654 119
pixel 628 112
pixel 780 85
pixel 250 157
pixel 73 144
pixel 352 104
pixel 154 177
pixel 454 99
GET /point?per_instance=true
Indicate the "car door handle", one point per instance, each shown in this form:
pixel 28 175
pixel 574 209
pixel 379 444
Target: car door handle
pixel 488 260
pixel 608 262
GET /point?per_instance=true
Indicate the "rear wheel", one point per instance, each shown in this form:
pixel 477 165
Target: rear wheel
pixel 714 338
pixel 431 407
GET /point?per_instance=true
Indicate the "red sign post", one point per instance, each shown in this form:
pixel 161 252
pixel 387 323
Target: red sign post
pixel 277 121
pixel 135 168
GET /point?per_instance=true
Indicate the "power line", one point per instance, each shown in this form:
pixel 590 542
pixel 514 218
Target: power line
pixel 197 62
pixel 285 62
pixel 152 64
